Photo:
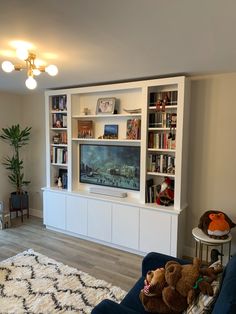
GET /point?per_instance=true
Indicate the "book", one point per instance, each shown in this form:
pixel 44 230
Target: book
pixel 133 131
pixel 85 128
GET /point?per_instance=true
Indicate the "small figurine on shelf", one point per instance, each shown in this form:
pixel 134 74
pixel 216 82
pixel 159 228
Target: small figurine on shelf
pixel 59 183
pixel 166 193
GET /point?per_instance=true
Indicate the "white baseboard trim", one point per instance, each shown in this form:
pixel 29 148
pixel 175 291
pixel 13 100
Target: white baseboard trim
pixel 36 212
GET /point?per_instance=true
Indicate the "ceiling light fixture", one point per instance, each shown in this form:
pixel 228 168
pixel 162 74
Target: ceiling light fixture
pixel 32 68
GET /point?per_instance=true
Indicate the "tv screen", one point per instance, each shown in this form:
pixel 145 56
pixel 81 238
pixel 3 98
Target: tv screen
pixel 110 165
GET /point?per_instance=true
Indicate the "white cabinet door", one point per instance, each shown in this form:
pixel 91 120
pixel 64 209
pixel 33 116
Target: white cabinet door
pixel 54 209
pixel 99 220
pixel 125 226
pixel 155 231
pixel 76 214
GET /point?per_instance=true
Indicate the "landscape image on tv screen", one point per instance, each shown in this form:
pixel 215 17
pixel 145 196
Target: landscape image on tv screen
pixel 108 165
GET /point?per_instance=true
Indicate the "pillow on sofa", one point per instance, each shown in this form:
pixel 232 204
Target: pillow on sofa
pixel 204 303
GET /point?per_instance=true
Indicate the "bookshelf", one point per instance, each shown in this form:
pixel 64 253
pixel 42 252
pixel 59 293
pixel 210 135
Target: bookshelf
pixel 145 113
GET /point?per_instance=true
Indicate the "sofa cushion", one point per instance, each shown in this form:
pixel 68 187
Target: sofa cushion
pixel 226 301
pixel 132 300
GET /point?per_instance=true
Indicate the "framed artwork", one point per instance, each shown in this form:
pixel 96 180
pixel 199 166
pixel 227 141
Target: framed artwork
pixel 110 131
pixel 105 105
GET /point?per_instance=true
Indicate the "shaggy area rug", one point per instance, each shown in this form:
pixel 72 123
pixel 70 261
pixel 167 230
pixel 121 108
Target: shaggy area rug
pixel 33 283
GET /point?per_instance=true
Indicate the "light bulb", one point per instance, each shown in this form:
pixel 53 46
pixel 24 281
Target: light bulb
pixel 7 66
pixel 22 53
pixel 30 83
pixel 51 70
pixel 36 72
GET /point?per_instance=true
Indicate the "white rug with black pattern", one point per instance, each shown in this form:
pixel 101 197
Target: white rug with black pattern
pixel 33 283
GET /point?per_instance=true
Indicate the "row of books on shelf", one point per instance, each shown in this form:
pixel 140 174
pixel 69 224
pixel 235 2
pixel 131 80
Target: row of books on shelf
pixel 60 138
pixel 59 120
pixel 161 140
pixel 59 155
pixel 59 103
pixel 169 97
pixel 162 163
pixel 160 119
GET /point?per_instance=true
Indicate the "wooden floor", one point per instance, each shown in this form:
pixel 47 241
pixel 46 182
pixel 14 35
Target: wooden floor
pixel 120 268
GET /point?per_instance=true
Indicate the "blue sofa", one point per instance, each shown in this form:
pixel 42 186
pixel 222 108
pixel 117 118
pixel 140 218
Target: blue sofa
pixel 225 302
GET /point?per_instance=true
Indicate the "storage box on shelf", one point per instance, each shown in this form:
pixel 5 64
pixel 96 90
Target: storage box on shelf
pixel 134 115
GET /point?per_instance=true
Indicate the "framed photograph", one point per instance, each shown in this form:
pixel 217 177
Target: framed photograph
pixel 105 105
pixel 110 131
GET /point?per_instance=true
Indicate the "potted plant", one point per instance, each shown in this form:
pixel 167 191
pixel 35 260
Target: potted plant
pixel 16 137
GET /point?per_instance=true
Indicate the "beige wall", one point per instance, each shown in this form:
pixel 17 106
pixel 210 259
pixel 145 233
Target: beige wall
pixel 34 116
pixel 212 149
pixel 10 108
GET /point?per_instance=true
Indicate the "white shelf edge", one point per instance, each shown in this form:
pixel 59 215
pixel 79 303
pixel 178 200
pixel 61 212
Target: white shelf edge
pixel 165 150
pixel 58 111
pixel 59 129
pixel 159 129
pixel 119 115
pixel 57 164
pixel 105 140
pixel 59 145
pixel 166 107
pixel 161 174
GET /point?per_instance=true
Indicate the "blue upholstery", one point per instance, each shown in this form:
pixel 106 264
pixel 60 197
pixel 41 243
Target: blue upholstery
pixel 225 304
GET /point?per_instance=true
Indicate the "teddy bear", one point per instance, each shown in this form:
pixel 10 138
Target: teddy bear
pixel 151 294
pixel 185 282
pixel 216 224
pixel 179 292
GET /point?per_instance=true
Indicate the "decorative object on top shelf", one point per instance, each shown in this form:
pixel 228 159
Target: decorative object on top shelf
pixel 106 105
pixel 165 195
pixel 133 111
pixel 31 65
pixel 216 224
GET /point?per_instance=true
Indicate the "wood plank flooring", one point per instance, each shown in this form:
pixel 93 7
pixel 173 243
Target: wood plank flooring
pixel 120 268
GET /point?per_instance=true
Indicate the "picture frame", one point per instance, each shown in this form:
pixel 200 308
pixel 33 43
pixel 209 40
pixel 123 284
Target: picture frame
pixel 110 131
pixel 106 105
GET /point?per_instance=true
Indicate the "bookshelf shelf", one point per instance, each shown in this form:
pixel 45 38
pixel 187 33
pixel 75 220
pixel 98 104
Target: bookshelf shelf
pixel 95 140
pixel 105 116
pixel 152 107
pixel 161 174
pixel 58 129
pixel 161 150
pixel 59 145
pixel 58 164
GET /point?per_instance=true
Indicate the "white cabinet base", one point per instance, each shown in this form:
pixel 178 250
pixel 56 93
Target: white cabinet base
pixel 130 228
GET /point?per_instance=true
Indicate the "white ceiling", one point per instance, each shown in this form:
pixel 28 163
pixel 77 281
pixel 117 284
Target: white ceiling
pixel 95 41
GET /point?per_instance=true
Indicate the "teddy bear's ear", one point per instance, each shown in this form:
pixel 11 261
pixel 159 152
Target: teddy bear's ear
pixel 173 274
pixel 171 263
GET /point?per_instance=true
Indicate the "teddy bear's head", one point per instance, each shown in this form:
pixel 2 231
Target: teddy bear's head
pixel 154 282
pixel 151 294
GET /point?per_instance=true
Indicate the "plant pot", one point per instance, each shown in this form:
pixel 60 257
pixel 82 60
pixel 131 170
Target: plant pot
pixel 19 201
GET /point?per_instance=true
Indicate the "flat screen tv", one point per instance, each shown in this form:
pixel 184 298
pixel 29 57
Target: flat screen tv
pixel 110 165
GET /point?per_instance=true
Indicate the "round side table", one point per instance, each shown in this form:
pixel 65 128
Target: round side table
pixel 202 239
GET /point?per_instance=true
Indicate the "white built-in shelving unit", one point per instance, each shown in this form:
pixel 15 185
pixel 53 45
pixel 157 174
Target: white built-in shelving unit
pixel 134 223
